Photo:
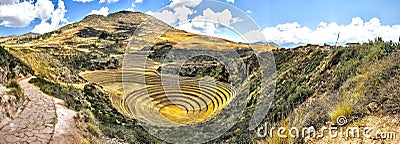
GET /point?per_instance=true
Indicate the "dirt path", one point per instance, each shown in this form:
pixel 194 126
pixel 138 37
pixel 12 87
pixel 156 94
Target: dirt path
pixel 37 122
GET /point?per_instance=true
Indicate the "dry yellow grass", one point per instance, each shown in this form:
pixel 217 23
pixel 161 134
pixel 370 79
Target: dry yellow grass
pixel 378 123
pixel 342 109
pixel 178 113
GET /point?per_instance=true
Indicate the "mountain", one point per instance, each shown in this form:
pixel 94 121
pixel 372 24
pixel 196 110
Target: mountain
pixel 81 63
pixel 97 37
pixel 266 44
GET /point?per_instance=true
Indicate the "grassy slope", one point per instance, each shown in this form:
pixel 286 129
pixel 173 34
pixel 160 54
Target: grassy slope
pixel 316 87
pixel 12 67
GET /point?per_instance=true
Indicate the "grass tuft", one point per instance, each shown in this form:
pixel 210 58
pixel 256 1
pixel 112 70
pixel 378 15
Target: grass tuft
pixel 342 109
pixel 15 88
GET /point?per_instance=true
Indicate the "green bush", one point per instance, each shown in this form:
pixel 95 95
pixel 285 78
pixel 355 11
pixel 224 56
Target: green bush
pixel 14 67
pixel 15 88
pixel 301 95
pixel 94 130
pixel 12 84
pixel 342 109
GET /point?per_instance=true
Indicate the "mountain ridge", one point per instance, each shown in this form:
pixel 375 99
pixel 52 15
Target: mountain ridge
pixel 125 24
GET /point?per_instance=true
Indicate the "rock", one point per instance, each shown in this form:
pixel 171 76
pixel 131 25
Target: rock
pixel 31 139
pixel 25 138
pixel 29 134
pixel 12 139
pixel 20 135
pixel 49 125
pixel 44 136
pixel 47 130
pixel 36 142
pixel 372 107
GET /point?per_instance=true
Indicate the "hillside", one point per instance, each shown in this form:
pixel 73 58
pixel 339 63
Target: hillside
pixel 315 87
pixel 99 42
pixel 11 67
pixel 82 62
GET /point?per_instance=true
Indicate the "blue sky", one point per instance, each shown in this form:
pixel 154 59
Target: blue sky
pixel 282 20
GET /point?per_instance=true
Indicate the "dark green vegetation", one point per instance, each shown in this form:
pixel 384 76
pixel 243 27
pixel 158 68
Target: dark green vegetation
pixel 88 61
pixel 11 67
pixel 15 88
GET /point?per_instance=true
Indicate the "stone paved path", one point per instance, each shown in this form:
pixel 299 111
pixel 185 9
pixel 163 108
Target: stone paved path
pixel 36 122
pixel 65 131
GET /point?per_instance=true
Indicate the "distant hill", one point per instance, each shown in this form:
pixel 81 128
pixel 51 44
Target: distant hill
pixel 266 44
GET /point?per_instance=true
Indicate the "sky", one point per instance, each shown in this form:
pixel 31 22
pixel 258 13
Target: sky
pixel 288 23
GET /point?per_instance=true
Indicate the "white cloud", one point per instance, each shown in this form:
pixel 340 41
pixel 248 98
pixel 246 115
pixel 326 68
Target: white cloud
pixel 223 17
pixel 356 31
pixel 44 9
pixel 182 13
pixel 166 16
pixel 138 1
pixel 108 1
pixel 230 1
pixel 184 3
pixel 249 11
pixel 133 6
pixel 84 1
pixel 150 13
pixel 130 9
pixel 57 20
pixel 41 28
pixel 209 22
pixel 102 11
pixel 179 11
pixel 15 13
pixel 206 22
pixel 253 36
pixel 5 2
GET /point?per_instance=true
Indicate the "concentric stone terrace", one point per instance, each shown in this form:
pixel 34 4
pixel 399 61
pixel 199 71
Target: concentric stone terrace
pixel 159 100
pixel 193 101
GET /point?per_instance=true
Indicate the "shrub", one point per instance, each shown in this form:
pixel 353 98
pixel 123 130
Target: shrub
pixel 94 129
pixel 103 35
pixel 84 141
pixel 300 96
pixel 342 109
pixel 12 84
pixel 15 88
